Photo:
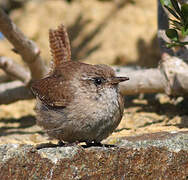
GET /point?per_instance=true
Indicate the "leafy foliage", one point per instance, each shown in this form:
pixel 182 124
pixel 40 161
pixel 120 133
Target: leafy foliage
pixel 179 22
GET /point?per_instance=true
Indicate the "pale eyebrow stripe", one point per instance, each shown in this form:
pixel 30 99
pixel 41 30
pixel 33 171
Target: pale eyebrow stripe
pixel 87 78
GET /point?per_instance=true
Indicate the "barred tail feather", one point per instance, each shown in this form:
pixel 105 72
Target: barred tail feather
pixel 59 45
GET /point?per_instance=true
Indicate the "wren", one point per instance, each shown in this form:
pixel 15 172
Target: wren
pixel 77 102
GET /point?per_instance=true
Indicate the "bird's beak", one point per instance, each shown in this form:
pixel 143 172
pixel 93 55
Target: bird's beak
pixel 117 80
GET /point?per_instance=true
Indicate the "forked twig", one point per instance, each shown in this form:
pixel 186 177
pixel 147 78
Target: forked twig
pixel 28 50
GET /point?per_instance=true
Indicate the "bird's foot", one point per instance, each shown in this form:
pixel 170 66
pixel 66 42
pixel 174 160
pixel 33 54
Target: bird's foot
pixel 89 144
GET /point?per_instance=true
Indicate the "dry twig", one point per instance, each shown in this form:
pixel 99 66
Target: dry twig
pixel 29 52
pixel 15 70
pixel 14 91
pixel 142 81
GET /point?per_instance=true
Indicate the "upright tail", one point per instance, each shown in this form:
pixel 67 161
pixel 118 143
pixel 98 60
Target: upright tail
pixel 59 45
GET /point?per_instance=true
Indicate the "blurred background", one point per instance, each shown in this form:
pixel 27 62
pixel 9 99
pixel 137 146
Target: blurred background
pixel 120 32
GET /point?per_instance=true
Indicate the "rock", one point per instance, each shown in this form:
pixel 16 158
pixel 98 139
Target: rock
pixel 152 156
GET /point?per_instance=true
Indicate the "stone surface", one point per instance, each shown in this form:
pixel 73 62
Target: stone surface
pixel 151 156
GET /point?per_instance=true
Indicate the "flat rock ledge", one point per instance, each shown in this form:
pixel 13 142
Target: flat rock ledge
pixel 161 155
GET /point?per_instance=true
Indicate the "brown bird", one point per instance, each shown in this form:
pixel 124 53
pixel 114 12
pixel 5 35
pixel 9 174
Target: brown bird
pixel 77 102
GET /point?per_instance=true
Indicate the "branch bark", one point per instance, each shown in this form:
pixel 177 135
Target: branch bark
pixel 15 70
pixel 14 91
pixel 142 81
pixel 175 71
pixel 28 50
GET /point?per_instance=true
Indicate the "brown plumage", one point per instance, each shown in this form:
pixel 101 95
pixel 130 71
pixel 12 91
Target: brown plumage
pixel 77 101
pixel 59 45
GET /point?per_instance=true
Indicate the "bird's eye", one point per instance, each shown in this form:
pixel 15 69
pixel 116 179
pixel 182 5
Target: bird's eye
pixel 98 81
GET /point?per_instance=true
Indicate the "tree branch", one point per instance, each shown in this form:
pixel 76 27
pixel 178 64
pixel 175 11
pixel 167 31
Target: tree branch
pixel 14 91
pixel 15 70
pixel 142 81
pixel 28 50
pixel 175 71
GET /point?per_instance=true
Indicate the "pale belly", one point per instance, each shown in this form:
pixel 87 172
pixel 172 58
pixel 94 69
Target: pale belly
pixel 80 123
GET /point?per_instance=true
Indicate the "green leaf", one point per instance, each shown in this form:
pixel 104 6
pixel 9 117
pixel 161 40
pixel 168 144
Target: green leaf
pixel 172 34
pixel 166 3
pixel 170 45
pixel 184 31
pixel 172 12
pixel 184 11
pixel 176 6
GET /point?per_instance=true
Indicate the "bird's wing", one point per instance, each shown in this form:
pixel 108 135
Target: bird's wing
pixel 53 91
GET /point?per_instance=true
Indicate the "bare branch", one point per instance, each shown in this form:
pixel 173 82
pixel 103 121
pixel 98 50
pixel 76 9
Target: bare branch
pixel 175 71
pixel 142 81
pixel 15 70
pixel 163 25
pixel 14 91
pixel 25 47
